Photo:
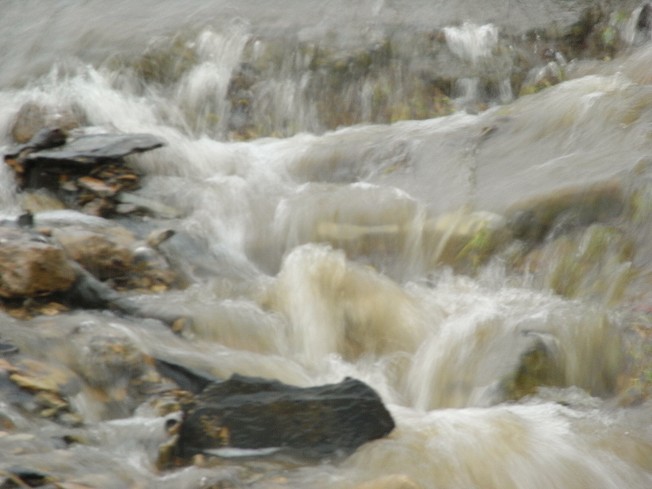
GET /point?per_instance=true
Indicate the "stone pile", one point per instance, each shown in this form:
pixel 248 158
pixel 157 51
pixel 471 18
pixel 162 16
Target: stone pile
pixel 86 172
pixel 48 266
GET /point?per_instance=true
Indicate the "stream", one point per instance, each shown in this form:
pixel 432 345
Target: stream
pixel 320 160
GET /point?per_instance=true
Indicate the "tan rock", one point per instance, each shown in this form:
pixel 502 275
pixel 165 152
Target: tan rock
pixel 37 376
pixel 110 361
pixel 32 266
pixel 105 256
pixel 98 187
pixel 34 116
pixel 39 201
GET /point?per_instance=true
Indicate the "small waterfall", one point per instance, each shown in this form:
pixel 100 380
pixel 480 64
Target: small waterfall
pixel 470 42
pixel 203 93
pixel 478 47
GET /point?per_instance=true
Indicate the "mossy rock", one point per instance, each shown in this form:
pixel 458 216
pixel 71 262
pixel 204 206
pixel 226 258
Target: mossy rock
pixel 465 240
pixel 538 367
pixel 566 208
pixel 167 61
pixel 593 263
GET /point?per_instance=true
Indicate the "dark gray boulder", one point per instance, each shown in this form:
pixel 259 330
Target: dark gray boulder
pixel 253 413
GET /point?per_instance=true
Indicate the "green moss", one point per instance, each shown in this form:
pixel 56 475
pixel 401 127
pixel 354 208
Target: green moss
pixel 478 249
pixel 537 368
pixel 594 263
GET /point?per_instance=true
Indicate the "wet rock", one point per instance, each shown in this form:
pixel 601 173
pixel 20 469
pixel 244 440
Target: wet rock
pixel 118 378
pixel 595 262
pixel 111 375
pixel 33 116
pixel 89 292
pixel 31 265
pixel 46 138
pixel 25 220
pixel 542 77
pixel 97 186
pixel 95 148
pixel 644 20
pixel 78 266
pixel 109 360
pixel 39 201
pixel 464 239
pixel 6 424
pixel 40 388
pixel 566 209
pixel 106 254
pixel 86 172
pixel 576 38
pixel 252 413
pixel 15 477
pixel 7 348
pixel 158 237
pixel 166 60
pixel 32 307
pixel 635 382
pixel 185 378
pixel 538 367
pixel 37 376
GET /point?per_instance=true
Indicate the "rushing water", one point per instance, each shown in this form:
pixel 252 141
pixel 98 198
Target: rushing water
pixel 308 194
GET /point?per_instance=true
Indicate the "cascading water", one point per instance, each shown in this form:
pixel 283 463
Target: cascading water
pixel 323 161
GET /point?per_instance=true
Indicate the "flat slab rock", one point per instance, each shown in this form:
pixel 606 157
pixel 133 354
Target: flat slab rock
pixel 96 147
pixel 252 413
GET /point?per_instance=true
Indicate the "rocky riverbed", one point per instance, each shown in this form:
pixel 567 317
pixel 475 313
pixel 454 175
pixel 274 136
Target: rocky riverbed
pixel 73 270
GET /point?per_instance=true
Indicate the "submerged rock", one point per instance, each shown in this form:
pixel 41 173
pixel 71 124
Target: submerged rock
pixel 542 77
pixel 251 413
pixel 538 366
pixel 565 209
pixel 25 477
pixel 40 388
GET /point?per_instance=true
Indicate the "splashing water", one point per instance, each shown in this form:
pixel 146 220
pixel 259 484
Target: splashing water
pixel 471 42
